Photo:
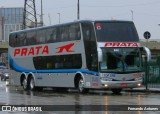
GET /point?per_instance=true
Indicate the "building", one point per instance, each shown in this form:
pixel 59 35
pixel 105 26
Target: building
pixel 11 19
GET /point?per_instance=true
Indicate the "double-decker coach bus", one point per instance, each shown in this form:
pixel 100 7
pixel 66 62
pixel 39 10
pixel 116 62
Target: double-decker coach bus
pixel 84 54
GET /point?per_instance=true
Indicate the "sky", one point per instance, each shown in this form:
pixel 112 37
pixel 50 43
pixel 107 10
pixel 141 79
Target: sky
pixel 146 13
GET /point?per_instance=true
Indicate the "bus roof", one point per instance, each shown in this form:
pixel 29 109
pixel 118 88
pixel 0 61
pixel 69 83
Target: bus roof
pixel 74 22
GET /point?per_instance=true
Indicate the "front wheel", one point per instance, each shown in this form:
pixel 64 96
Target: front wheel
pixel 81 88
pixel 116 90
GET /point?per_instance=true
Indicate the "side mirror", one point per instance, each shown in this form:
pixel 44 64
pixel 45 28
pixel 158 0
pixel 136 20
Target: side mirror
pixel 100 55
pixel 148 53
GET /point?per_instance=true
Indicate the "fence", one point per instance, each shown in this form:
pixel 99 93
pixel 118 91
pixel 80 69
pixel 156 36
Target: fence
pixel 152 76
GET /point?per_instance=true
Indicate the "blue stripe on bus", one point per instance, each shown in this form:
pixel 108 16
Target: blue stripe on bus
pixel 21 69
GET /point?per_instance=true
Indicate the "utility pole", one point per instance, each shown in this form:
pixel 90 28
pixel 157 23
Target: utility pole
pixel 41 13
pixel 78 12
pixel 29 14
pixel 2 24
pixel 132 14
pixel 59 17
pixel 3 28
pixel 49 19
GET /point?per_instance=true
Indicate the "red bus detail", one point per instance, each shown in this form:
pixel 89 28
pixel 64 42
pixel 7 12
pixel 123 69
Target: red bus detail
pixel 121 44
pixel 65 47
pixel 31 51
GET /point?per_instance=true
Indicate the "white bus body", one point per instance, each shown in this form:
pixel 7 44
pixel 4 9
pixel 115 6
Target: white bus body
pixel 82 55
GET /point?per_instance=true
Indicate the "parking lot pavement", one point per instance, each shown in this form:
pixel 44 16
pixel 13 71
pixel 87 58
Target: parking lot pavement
pixel 143 89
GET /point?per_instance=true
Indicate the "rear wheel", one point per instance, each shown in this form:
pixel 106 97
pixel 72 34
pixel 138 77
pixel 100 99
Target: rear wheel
pixel 81 88
pixel 116 90
pixel 31 84
pixel 25 84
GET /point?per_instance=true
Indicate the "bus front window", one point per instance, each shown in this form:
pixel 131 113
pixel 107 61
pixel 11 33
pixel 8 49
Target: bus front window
pixel 121 60
pixel 116 32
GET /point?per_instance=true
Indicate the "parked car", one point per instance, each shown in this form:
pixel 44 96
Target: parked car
pixel 2 64
pixel 5 75
pixel 2 68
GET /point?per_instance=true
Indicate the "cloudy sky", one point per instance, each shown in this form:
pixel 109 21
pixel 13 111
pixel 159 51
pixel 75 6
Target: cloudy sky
pixel 146 13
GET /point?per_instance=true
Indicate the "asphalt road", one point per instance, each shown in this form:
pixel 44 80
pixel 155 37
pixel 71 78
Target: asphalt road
pixel 10 95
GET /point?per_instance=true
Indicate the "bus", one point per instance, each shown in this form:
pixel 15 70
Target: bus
pixel 85 54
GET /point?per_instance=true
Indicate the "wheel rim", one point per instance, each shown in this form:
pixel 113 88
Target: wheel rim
pixel 32 84
pixel 81 85
pixel 24 83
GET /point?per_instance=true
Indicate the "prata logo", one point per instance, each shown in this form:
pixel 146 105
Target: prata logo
pixel 121 44
pixel 31 51
pixel 66 48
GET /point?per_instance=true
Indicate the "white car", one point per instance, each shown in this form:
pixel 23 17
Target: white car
pixel 5 75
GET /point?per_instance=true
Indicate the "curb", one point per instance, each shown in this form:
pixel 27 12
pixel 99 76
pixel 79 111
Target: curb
pixel 144 90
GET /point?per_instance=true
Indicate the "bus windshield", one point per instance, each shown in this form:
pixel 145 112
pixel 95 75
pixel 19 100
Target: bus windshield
pixel 121 60
pixel 116 32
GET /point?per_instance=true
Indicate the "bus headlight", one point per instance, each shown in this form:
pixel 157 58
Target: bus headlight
pixel 139 84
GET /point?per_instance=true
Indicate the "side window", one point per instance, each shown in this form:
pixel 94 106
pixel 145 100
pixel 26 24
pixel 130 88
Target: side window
pixel 51 35
pixel 74 32
pixel 90 41
pixel 22 39
pixel 59 32
pixel 41 37
pixel 63 34
pixel 12 40
pixel 16 39
pixel 31 38
pixel 88 31
pixel 73 61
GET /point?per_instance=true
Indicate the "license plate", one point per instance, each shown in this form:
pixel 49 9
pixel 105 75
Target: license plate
pixel 124 85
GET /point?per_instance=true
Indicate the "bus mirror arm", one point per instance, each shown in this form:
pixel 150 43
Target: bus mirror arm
pixel 148 53
pixel 100 55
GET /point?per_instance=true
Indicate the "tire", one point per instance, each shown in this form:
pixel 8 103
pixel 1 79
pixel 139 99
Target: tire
pixel 81 88
pixel 5 78
pixel 32 84
pixel 116 90
pixel 25 84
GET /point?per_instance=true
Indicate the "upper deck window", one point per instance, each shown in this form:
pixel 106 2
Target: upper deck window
pixel 116 32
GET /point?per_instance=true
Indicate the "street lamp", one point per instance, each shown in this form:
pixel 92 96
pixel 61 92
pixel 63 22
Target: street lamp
pixel 41 16
pixel 59 17
pixel 132 14
pixel 78 10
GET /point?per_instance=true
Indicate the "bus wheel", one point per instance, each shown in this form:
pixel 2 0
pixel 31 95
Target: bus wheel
pixel 81 88
pixel 25 84
pixel 116 90
pixel 31 84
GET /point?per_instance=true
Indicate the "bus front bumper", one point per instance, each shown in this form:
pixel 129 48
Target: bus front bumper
pixel 121 84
